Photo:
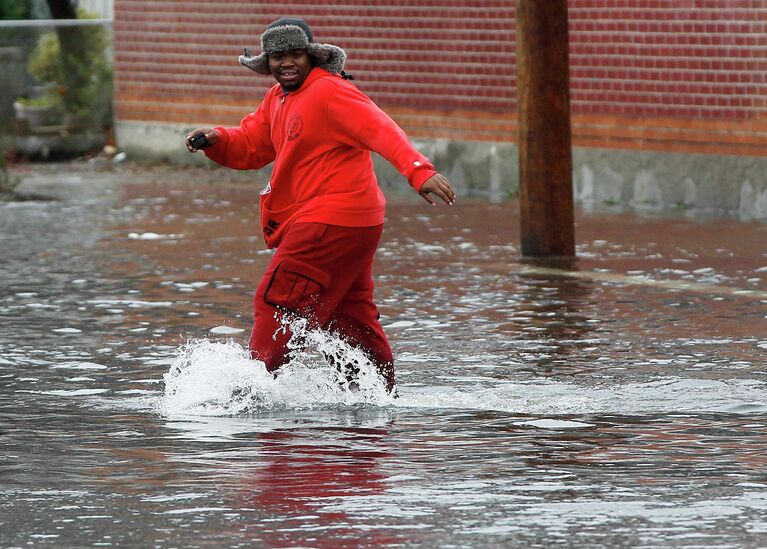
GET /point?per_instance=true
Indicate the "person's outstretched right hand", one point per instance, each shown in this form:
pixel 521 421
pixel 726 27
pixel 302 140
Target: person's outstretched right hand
pixel 438 185
pixel 210 134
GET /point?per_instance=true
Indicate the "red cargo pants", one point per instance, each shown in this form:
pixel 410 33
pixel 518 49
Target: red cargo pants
pixel 322 273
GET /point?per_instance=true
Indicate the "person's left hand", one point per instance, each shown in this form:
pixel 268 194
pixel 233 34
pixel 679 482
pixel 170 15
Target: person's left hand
pixel 439 185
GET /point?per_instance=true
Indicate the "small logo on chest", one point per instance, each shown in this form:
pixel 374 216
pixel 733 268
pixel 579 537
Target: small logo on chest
pixel 295 126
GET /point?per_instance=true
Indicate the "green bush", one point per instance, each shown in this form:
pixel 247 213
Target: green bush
pixel 43 101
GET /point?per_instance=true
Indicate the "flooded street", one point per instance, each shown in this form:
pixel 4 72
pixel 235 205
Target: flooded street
pixel 621 404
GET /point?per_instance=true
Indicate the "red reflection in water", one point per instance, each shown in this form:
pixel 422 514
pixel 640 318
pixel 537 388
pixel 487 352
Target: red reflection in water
pixel 298 481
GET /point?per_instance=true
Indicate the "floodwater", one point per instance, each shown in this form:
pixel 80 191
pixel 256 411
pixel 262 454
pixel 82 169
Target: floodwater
pixel 623 403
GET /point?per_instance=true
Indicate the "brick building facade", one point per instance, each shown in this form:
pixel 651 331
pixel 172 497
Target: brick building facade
pixel 654 76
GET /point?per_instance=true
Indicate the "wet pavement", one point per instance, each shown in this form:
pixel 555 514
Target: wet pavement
pixel 621 403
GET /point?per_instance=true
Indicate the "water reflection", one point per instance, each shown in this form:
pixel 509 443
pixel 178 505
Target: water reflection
pixel 559 309
pixel 300 477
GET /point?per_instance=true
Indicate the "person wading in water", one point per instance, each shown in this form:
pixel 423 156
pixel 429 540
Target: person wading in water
pixel 322 209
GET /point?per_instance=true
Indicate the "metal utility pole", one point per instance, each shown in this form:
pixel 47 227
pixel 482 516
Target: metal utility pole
pixel 545 155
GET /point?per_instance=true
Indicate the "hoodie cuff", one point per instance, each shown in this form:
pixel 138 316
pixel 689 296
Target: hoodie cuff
pixel 223 136
pixel 420 177
pixel 215 151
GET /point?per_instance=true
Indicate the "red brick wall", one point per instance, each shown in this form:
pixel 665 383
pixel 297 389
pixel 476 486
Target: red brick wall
pixel 680 75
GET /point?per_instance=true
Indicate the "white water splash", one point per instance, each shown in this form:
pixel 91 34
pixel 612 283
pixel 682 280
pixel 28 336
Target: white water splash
pixel 220 378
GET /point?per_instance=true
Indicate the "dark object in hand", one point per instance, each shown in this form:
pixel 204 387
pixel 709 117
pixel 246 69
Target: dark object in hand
pixel 199 142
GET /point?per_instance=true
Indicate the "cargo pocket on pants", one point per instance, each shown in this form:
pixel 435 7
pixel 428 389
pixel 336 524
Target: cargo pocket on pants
pixel 296 286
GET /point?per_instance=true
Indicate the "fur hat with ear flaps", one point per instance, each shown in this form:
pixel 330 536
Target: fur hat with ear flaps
pixel 292 33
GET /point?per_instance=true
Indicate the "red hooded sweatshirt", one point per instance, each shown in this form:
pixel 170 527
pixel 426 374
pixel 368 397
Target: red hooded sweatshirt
pixel 319 138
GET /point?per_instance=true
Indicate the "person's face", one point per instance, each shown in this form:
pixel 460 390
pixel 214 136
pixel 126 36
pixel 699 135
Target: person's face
pixel 290 68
